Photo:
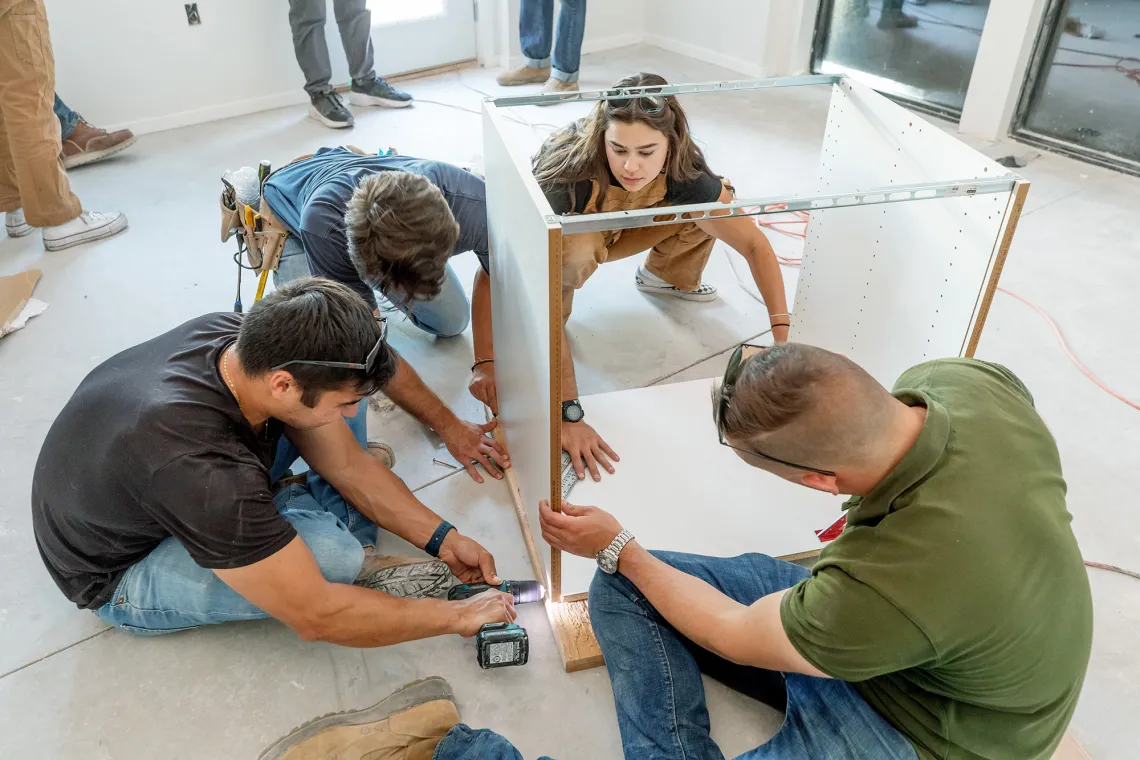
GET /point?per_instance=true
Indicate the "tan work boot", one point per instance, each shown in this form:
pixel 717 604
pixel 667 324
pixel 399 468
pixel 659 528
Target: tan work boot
pixel 523 75
pixel 405 725
pixel 557 86
pixel 89 144
pixel 382 452
pixel 404 576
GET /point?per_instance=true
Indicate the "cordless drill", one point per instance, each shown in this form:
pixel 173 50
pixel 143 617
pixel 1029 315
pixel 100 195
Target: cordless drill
pixel 522 591
pixel 499 645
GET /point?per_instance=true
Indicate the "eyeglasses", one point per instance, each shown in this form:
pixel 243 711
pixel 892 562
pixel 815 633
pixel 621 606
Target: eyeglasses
pixel 728 385
pixel 366 367
pixel 646 102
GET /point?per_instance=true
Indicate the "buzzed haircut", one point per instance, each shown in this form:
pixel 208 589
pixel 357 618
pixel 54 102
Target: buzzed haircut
pixel 317 320
pixel 401 233
pixel 807 405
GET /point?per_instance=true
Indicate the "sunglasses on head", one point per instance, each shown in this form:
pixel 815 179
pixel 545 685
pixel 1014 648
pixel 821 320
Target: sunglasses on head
pixel 365 366
pixel 646 101
pixel 742 353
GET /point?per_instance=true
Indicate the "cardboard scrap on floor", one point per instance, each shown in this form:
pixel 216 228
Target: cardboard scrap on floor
pixel 16 303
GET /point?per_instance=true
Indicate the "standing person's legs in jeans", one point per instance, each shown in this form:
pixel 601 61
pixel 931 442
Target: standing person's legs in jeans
pixel 31 176
pixel 167 591
pixel 67 118
pixel 536 27
pixel 656 676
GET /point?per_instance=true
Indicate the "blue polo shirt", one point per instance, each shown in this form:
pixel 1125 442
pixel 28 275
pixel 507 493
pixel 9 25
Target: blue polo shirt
pixel 310 198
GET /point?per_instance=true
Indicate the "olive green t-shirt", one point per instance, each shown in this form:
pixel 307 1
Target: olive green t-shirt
pixel 956 599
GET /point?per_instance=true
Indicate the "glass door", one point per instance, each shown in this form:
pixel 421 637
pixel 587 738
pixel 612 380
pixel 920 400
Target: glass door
pixel 919 52
pixel 1083 92
pixel 410 35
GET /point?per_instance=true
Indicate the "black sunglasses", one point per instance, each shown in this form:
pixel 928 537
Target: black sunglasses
pixel 728 385
pixel 369 361
pixel 646 102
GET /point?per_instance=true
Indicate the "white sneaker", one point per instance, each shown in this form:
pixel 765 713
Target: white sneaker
pixel 88 226
pixel 15 224
pixel 647 282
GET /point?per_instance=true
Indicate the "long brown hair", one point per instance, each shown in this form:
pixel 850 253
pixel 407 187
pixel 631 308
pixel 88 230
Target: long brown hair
pixel 577 152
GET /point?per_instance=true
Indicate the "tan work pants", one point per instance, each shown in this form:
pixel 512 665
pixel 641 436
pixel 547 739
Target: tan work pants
pixel 31 175
pixel 678 253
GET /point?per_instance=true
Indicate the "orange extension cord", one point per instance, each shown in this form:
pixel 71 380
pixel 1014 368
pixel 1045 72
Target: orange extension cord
pixel 777 225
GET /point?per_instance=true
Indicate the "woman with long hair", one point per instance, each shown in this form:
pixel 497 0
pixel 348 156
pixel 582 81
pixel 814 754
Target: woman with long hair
pixel 637 153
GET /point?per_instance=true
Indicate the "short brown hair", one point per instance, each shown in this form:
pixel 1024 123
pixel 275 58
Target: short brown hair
pixel 401 232
pixel 807 405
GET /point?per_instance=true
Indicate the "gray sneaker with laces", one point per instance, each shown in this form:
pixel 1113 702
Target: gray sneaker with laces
pixel 378 93
pixel 327 108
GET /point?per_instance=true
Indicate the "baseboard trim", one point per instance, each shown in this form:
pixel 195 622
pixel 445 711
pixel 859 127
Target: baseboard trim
pixel 753 70
pixel 262 103
pixel 213 113
pixel 613 42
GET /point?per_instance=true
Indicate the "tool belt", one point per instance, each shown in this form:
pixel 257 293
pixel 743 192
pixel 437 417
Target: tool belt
pixel 262 233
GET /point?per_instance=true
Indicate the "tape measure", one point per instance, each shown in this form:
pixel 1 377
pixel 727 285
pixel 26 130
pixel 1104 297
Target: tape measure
pixel 569 477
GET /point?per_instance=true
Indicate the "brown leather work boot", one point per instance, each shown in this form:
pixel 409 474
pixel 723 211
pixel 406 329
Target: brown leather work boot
pixel 405 725
pixel 522 75
pixel 404 576
pixel 89 144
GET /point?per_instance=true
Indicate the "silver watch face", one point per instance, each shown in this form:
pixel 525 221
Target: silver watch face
pixel 607 562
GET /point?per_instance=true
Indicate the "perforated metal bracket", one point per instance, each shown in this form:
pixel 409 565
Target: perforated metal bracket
pixel 652 217
pixel 741 85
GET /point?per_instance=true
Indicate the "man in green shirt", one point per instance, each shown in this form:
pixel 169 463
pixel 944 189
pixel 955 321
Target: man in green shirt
pixel 951 619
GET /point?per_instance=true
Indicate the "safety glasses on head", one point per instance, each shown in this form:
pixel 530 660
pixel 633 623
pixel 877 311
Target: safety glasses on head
pixel 742 353
pixel 642 98
pixel 365 366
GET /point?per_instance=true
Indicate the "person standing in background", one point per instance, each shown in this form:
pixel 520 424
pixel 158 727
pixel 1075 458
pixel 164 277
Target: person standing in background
pixel 307 19
pixel 536 27
pixel 85 144
pixel 34 191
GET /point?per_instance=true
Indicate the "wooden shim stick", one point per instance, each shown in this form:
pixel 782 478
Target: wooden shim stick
pixel 1019 194
pixel 520 512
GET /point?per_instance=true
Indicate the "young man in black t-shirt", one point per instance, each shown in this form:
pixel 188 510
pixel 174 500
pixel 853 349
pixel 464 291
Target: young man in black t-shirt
pixel 161 500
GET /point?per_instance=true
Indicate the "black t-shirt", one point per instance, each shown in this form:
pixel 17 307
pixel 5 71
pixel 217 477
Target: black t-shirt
pixel 704 189
pixel 151 445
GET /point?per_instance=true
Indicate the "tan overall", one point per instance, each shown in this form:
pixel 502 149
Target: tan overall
pixel 31 175
pixel 679 251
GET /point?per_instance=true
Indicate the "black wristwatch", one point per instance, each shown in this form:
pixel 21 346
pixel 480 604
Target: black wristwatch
pixel 572 411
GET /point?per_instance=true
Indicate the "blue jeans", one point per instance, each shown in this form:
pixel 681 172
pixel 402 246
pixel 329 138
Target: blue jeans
pixel 167 591
pixel 446 315
pixel 536 27
pixel 656 677
pixel 67 118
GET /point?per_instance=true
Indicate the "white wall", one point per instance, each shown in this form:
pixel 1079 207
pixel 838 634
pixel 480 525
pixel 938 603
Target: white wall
pixel 729 33
pixel 1003 57
pixel 138 63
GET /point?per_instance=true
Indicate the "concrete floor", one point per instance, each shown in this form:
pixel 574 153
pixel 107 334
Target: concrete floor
pixel 71 688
